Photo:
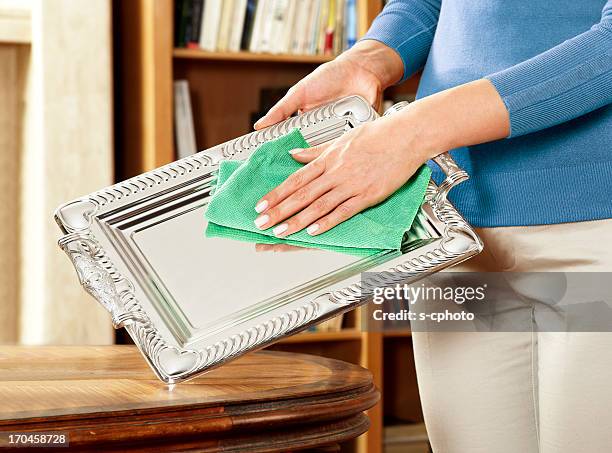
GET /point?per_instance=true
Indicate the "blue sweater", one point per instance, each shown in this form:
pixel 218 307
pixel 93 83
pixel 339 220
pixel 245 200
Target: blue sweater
pixel 551 62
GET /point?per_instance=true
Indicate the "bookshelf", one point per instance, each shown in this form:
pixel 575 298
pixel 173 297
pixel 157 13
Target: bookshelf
pixel 225 88
pixel 196 54
pixel 345 334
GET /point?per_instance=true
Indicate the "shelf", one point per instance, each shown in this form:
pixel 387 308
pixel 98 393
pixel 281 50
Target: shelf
pixel 312 337
pixel 197 54
pixel 397 334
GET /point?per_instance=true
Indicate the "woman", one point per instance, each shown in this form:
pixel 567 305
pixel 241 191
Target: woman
pixel 520 91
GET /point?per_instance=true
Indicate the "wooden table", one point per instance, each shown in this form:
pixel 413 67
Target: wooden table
pixel 106 398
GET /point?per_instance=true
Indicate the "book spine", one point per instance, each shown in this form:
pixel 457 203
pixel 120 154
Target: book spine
pixel 279 19
pixel 312 27
pixel 351 23
pixel 183 119
pixel 339 28
pixel 225 27
pixel 210 27
pixel 267 23
pixel 305 38
pixel 320 41
pixel 178 10
pixel 328 47
pixel 237 25
pixel 186 17
pixel 180 21
pixel 196 23
pixel 249 19
pixel 257 26
pixel 297 26
pixel 288 28
pixel 302 29
pixel 202 23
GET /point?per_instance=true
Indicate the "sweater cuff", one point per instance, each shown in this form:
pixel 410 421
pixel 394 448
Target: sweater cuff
pixel 535 102
pixel 413 51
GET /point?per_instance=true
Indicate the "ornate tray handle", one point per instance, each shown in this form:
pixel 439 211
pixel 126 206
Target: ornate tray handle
pixel 454 174
pixel 96 280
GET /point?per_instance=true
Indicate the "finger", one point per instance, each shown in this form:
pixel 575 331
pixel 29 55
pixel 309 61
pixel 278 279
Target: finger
pixel 294 182
pixel 283 109
pixel 295 202
pixel 286 248
pixel 342 212
pixel 317 209
pixel 263 247
pixel 306 155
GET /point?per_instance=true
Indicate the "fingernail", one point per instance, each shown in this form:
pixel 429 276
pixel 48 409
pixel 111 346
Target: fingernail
pixel 296 151
pixel 280 229
pixel 261 220
pixel 261 206
pixel 258 122
pixel 312 229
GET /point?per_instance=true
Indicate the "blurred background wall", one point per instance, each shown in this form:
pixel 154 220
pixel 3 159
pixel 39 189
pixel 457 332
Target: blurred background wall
pixel 55 145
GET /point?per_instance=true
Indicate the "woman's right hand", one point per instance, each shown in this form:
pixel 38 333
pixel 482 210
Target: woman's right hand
pixel 366 70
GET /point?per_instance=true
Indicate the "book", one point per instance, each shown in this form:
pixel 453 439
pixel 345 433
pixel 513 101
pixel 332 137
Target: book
pixel 278 20
pixel 210 24
pixel 339 27
pixel 183 120
pixel 237 25
pixel 351 24
pixel 227 15
pixel 286 36
pixel 193 40
pixel 249 19
pixel 301 25
pixel 182 22
pixel 322 28
pixel 328 46
pixel 313 19
pixel 265 37
pixel 257 26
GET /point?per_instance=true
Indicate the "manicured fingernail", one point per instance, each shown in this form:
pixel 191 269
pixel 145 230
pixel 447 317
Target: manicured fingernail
pixel 296 151
pixel 261 220
pixel 261 206
pixel 312 229
pixel 258 122
pixel 280 229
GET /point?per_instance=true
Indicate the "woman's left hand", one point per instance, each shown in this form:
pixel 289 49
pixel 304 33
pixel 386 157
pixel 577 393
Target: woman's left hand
pixel 356 171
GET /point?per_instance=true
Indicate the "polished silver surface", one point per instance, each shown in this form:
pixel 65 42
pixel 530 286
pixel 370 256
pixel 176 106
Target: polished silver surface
pixel 191 302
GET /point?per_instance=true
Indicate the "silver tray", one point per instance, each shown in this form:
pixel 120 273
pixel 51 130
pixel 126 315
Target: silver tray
pixel 191 303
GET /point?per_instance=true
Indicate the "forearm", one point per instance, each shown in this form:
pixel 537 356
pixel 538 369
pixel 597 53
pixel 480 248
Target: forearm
pixel 563 83
pixel 465 115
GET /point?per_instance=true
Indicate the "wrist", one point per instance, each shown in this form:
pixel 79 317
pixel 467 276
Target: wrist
pixel 378 59
pixel 425 139
pixel 464 115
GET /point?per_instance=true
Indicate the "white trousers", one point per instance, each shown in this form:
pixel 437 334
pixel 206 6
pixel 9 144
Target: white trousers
pixel 522 392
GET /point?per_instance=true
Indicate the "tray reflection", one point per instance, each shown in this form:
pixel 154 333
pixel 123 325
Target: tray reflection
pixel 215 278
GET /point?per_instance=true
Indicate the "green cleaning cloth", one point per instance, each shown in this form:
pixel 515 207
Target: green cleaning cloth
pixel 240 185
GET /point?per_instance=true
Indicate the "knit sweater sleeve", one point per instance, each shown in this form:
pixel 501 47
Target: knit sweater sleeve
pixel 408 27
pixel 562 83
